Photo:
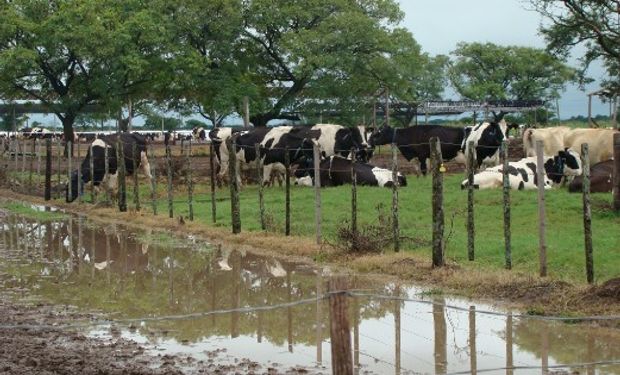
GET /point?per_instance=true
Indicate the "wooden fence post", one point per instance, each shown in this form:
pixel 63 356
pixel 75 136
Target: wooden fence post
pixel 340 334
pixel 587 213
pixel 438 211
pixel 136 183
pixel 506 200
pixel 395 223
pixel 260 177
pixel 79 173
pixel 616 173
pixel 153 180
pixel 287 200
pixel 540 172
pixel 353 199
pixel 473 353
pixel 213 182
pixel 31 164
pixel 470 201
pixel 91 161
pixel 69 167
pixel 48 169
pixel 169 170
pixel 190 183
pixel 23 174
pixel 234 187
pixel 38 152
pixel 59 159
pixel 106 170
pixel 317 190
pixel 120 170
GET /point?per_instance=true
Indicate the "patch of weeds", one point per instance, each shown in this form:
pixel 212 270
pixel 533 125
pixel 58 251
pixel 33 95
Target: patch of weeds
pixel 369 238
pixel 270 223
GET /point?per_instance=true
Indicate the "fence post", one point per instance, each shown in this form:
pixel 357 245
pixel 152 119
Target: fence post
pixel 136 182
pixel 190 184
pixel 79 172
pixel 316 155
pixel 38 152
pixel 69 167
pixel 120 170
pixel 234 187
pixel 106 170
pixel 395 223
pixel 438 213
pixel 23 174
pixel 353 199
pixel 340 334
pixel 506 199
pixel 59 155
pixel 153 180
pixel 587 212
pixel 169 170
pixel 48 169
pixel 91 162
pixel 31 166
pixel 470 202
pixel 212 166
pixel 616 174
pixel 260 177
pixel 473 355
pixel 540 172
pixel 287 200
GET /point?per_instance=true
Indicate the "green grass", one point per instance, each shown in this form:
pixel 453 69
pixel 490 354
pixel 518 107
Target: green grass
pixel 31 212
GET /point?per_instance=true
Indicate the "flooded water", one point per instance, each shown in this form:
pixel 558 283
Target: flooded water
pixel 183 296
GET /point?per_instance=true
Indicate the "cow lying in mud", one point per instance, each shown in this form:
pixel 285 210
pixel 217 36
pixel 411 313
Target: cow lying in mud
pixel 522 174
pixel 336 171
pixel 98 155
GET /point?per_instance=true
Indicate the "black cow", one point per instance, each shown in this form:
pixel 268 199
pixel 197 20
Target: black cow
pixel 414 141
pixel 336 171
pixel 98 155
pixel 601 178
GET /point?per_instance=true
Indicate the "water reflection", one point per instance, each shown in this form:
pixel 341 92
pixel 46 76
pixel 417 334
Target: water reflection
pixel 144 275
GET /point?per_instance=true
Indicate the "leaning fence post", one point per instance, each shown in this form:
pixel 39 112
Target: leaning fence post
pixel 316 155
pixel 353 199
pixel 190 184
pixel 340 334
pixel 395 223
pixel 48 169
pixel 136 183
pixel 169 170
pixel 587 213
pixel 212 166
pixel 540 172
pixel 120 170
pixel 470 201
pixel 260 177
pixel 69 167
pixel 153 180
pixel 287 201
pixel 506 199
pixel 438 212
pixel 234 186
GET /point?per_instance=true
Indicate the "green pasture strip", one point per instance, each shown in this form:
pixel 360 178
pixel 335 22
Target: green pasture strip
pixel 31 212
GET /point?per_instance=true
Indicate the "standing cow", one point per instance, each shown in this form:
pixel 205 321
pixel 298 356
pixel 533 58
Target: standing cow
pixel 98 155
pixel 487 138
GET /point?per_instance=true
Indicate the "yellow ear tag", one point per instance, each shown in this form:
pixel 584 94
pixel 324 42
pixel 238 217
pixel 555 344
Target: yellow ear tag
pixel 442 168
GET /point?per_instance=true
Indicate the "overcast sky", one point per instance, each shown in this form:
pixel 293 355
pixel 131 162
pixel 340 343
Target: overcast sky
pixel 438 25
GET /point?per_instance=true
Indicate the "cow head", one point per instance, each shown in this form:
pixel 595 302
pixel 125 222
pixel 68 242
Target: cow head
pixel 382 136
pixel 565 163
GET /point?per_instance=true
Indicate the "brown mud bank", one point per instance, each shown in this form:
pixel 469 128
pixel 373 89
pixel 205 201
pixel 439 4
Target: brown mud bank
pixel 527 292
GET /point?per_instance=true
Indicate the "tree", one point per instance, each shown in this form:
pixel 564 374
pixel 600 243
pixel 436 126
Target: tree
pixel 594 24
pixel 492 72
pixel 69 54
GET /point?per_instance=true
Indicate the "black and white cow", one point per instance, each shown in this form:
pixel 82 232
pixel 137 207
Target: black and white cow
pixel 601 178
pixel 414 141
pixel 199 134
pixel 522 174
pixel 40 133
pixel 487 138
pixel 218 137
pixel 336 171
pixel 98 155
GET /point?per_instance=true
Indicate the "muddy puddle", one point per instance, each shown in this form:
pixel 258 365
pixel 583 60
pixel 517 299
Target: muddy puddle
pixel 200 302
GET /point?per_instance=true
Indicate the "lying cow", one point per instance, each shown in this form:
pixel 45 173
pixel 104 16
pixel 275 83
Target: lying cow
pixel 601 178
pixel 98 155
pixel 336 171
pixel 522 174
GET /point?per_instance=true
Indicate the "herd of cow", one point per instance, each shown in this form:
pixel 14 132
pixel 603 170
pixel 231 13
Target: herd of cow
pixel 343 148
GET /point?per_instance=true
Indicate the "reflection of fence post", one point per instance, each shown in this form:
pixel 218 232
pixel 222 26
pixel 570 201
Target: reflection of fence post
pixel 212 167
pixel 319 319
pixel 587 213
pixel 190 183
pixel 136 183
pixel 439 324
pixel 120 170
pixel 260 177
pixel 169 170
pixel 153 179
pixel 540 174
pixel 473 358
pixel 287 207
pixel 234 186
pixel 48 169
pixel 438 213
pixel 395 224
pixel 339 328
pixel 506 200
pixel 470 201
pixel 397 331
pixel 317 190
pixel 509 362
pixel 69 167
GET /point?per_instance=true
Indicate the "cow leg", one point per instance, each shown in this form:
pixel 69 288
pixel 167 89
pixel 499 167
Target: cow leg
pixel 423 167
pixel 267 171
pixel 146 167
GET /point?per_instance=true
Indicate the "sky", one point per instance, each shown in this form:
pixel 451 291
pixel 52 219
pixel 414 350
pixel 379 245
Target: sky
pixel 438 25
